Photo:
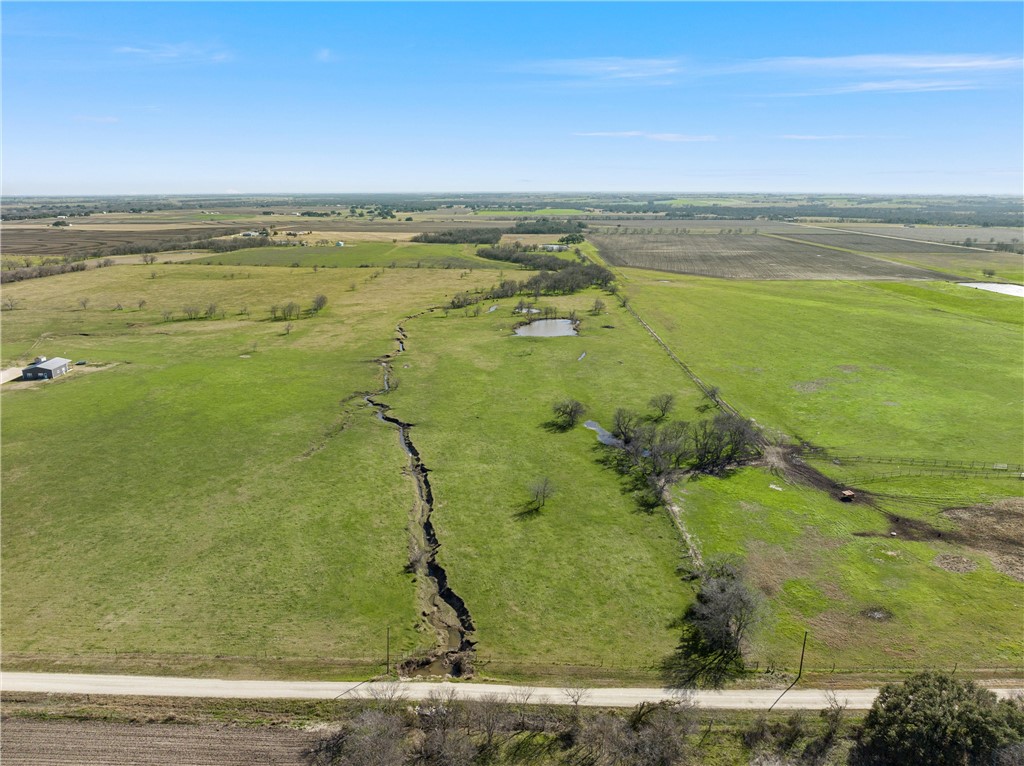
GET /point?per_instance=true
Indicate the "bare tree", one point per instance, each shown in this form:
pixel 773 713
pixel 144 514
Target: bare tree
pixel 291 310
pixel 118 307
pixel 389 696
pixel 598 307
pixel 167 315
pixel 662 404
pixel 141 303
pixel 288 328
pixel 568 413
pixel 273 312
pixel 374 738
pixel 83 302
pixel 541 491
pixel 490 717
pixel 9 303
pixel 149 259
pixel 576 693
pixel 191 312
pixel 318 303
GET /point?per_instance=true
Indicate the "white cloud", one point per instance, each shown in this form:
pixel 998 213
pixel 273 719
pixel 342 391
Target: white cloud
pixel 792 137
pixel 97 119
pixel 607 68
pixel 176 53
pixel 888 63
pixel 669 137
pixel 904 86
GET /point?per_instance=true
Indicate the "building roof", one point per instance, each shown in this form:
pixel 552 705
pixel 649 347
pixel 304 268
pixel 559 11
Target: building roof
pixel 50 364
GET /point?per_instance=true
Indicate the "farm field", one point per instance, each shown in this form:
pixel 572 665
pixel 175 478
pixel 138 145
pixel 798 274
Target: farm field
pixel 355 255
pixel 922 369
pixel 236 508
pixel 226 503
pixel 540 587
pixel 863 243
pixel 38 240
pixel 754 256
pixel 985 236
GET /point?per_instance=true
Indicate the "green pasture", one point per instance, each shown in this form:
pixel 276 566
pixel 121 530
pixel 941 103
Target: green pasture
pixel 208 488
pixel 355 255
pixel 586 587
pixel 894 369
pixel 871 603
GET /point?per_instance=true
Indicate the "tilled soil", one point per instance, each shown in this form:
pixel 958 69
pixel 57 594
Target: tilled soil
pixel 42 743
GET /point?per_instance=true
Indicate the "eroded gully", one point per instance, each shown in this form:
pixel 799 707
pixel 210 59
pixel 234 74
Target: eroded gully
pixel 442 608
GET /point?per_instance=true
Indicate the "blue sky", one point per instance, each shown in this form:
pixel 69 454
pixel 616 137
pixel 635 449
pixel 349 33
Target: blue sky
pixel 102 98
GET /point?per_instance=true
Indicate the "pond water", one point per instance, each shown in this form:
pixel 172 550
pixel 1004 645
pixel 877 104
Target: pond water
pixel 603 436
pixel 547 328
pixel 492 309
pixel 995 287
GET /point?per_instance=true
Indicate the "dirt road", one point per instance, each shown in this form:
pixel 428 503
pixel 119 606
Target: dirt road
pixel 736 699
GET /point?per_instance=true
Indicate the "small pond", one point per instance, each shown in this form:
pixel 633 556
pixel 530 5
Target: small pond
pixel 995 287
pixel 603 436
pixel 547 328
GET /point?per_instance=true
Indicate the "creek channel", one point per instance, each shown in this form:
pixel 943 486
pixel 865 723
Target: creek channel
pixel 443 608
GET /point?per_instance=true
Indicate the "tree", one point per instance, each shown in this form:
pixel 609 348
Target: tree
pixel 318 303
pixel 374 738
pixel 540 491
pixel 149 259
pixel 934 719
pixel 598 307
pixel 568 413
pixel 662 404
pixel 715 627
pixel 84 303
pixel 9 303
pixel 141 303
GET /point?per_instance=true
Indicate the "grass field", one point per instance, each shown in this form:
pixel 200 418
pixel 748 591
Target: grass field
pixel 354 255
pixel 212 496
pixel 922 369
pixel 867 244
pixel 587 587
pixel 226 498
pixel 746 256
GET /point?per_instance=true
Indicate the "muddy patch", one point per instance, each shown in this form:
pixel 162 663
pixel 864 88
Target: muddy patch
pixel 918 530
pixel 876 614
pixel 952 563
pixel 995 529
pixel 848 368
pixel 812 386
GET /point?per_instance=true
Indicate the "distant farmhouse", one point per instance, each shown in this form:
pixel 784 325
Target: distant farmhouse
pixel 46 369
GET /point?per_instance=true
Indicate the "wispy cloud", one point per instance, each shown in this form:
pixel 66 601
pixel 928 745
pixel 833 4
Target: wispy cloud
pixel 886 63
pixel 97 119
pixel 325 56
pixel 176 53
pixel 669 137
pixel 900 86
pixel 792 137
pixel 607 68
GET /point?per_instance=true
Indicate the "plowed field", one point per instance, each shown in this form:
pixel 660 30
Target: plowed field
pixel 42 743
pixel 731 256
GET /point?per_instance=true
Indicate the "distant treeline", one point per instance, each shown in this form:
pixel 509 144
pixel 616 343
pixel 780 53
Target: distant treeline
pixel 493 236
pixel 42 270
pixel 995 214
pixel 461 237
pixel 527 257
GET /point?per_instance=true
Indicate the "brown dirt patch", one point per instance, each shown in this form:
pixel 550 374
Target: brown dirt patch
pixel 952 563
pixel 34 743
pixel 812 386
pixel 847 368
pixel 995 529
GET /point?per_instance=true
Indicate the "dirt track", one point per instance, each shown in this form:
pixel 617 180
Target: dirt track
pixel 42 743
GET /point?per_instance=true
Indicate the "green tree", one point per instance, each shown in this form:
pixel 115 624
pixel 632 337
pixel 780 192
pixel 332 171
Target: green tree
pixel 934 719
